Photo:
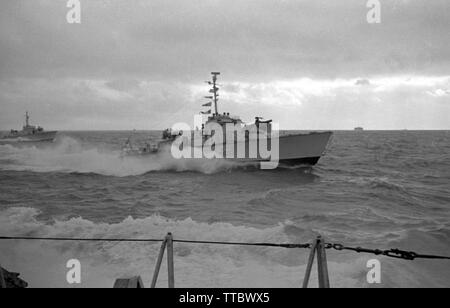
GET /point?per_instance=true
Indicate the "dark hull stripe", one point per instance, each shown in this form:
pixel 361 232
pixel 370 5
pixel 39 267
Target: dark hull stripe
pixel 300 161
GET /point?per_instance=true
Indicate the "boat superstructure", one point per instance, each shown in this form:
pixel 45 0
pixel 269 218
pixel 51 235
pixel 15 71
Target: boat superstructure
pixel 294 149
pixel 29 133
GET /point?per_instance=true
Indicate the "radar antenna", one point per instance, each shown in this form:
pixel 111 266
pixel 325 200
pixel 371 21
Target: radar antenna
pixel 214 91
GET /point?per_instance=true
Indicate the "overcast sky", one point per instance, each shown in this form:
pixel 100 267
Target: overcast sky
pixel 307 64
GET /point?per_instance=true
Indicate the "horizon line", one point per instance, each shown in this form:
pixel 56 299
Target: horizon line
pixel 286 129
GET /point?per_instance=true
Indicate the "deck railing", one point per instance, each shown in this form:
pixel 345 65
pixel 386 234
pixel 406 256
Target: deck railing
pixel 317 248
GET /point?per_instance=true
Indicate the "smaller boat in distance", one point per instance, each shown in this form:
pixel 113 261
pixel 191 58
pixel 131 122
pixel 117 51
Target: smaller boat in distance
pixel 359 129
pixel 29 133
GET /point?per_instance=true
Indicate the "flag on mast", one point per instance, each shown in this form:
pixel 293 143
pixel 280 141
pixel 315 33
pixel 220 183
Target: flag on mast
pixel 206 112
pixel 207 104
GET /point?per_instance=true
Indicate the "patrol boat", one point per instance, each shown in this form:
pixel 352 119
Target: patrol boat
pixel 29 133
pixel 293 149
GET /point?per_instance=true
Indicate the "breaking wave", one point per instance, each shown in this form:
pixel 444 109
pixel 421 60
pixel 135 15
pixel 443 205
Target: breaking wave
pixel 43 264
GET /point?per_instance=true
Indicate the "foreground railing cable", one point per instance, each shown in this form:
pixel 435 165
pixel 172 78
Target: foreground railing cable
pixel 75 239
pixel 317 248
pixel 307 245
pixel 393 253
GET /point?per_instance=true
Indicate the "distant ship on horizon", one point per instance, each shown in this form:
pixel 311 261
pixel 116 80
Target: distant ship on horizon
pixel 29 133
pixel 359 129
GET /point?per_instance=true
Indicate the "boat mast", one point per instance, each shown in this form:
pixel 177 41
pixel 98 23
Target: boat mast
pixel 214 90
pixel 27 118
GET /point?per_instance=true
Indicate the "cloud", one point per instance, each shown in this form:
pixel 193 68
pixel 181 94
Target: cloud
pixel 397 103
pixel 71 103
pixel 250 39
pixel 141 64
pixel 362 82
pixel 123 84
pixel 439 92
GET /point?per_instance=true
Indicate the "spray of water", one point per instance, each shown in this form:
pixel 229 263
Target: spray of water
pixel 69 155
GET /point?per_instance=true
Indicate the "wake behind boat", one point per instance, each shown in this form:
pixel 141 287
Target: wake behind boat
pixel 29 133
pixel 294 149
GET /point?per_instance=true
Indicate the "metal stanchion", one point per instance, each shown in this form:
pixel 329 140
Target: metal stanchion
pixel 322 267
pixel 310 264
pixel 170 263
pixel 2 279
pixel 158 264
pixel 318 246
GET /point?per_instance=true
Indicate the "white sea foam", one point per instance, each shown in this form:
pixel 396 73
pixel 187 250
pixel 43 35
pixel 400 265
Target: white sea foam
pixel 42 264
pixel 69 155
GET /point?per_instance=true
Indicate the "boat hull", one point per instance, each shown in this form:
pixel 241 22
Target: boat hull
pixel 294 150
pixel 307 147
pixel 37 137
pixel 305 161
pixel 299 149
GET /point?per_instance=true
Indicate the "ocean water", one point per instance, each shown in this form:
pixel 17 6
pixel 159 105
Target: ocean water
pixel 380 189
